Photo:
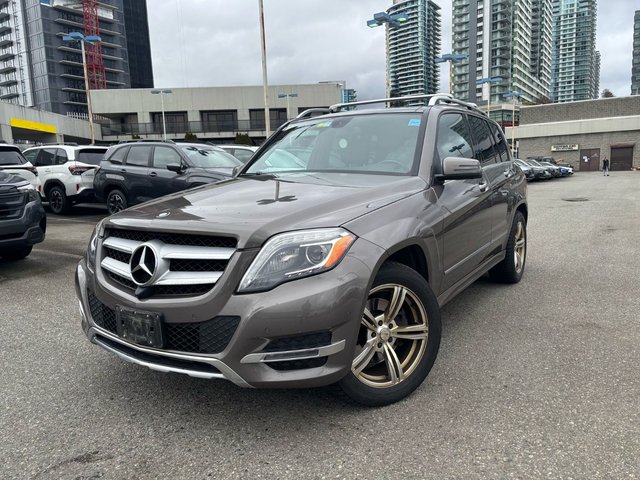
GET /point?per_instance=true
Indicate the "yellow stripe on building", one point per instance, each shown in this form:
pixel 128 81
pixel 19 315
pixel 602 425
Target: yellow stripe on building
pixel 29 125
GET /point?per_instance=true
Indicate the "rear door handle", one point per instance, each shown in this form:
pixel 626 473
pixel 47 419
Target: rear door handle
pixel 153 174
pixel 123 170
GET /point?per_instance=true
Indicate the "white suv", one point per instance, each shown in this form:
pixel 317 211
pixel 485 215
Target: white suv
pixel 66 172
pixel 12 161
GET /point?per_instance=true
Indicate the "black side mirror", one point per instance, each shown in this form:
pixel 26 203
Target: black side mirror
pixel 174 167
pixel 459 168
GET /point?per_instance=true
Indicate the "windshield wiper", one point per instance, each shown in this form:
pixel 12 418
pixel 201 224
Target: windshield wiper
pixel 259 175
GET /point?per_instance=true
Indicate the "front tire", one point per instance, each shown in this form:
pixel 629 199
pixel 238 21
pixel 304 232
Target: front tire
pixel 58 201
pixel 116 201
pixel 16 253
pixel 511 269
pixel 398 339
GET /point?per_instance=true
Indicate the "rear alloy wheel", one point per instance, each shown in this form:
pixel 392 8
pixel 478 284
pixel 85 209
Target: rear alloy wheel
pixel 398 338
pixel 511 269
pixel 16 253
pixel 58 202
pixel 116 201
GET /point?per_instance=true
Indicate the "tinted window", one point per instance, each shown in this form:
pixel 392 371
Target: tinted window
pixel 163 156
pixel 11 157
pixel 46 157
pixel 483 140
pixel 501 144
pixel 139 156
pixel 118 155
pixel 454 139
pixel 61 157
pixel 91 156
pixel 31 156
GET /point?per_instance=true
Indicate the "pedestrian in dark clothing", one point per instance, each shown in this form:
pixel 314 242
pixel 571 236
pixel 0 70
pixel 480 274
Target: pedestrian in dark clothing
pixel 605 166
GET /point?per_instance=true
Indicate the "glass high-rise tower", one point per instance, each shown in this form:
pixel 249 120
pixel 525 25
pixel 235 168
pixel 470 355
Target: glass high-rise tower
pixel 510 39
pixel 412 48
pixel 575 66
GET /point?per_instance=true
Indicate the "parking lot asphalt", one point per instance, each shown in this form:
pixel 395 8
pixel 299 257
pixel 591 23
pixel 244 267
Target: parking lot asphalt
pixel 535 380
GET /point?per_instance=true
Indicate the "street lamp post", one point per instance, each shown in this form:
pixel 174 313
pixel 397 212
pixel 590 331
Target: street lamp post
pixel 162 93
pixel 514 96
pixel 263 44
pixel 489 80
pixel 451 58
pixel 90 39
pixel 288 96
pixel 395 20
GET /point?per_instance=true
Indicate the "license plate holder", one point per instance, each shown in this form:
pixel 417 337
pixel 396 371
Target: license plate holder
pixel 140 327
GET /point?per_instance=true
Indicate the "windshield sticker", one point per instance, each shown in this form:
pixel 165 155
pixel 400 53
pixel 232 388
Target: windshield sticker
pixel 342 143
pixel 414 122
pixel 323 125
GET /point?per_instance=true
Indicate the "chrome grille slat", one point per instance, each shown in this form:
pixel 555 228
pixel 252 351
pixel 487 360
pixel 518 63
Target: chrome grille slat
pixel 188 279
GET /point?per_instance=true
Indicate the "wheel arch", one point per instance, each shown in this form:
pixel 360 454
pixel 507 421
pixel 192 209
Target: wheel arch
pixel 53 183
pixel 111 186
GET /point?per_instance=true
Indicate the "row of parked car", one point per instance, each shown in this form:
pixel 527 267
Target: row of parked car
pixel 122 175
pixel 537 169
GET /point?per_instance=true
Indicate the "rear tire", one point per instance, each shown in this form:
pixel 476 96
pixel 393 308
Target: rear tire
pixel 398 339
pixel 116 201
pixel 511 269
pixel 16 253
pixel 58 201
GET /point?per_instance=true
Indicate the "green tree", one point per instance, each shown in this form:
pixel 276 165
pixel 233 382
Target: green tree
pixel 606 93
pixel 243 139
pixel 190 137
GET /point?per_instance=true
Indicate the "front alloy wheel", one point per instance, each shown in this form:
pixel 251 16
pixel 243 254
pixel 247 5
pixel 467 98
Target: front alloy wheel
pixel 398 338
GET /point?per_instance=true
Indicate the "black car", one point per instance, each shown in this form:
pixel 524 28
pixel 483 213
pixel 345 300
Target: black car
pixel 23 221
pixel 135 172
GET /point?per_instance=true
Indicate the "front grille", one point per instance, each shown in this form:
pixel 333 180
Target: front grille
pixel 12 205
pixel 174 238
pixel 210 336
pixel 299 342
pixel 192 263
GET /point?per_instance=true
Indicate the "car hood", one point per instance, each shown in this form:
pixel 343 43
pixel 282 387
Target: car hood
pixel 252 209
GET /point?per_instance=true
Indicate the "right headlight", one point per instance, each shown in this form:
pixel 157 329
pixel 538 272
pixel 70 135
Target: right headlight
pixel 293 255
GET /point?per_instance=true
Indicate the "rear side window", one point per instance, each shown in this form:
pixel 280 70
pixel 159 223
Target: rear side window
pixel 11 157
pixel 242 155
pixel 501 144
pixel 117 157
pixel 46 157
pixel 61 157
pixel 31 156
pixel 139 156
pixel 91 156
pixel 454 139
pixel 483 141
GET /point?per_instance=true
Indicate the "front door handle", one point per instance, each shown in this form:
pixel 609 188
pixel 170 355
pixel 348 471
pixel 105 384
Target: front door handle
pixel 153 174
pixel 123 170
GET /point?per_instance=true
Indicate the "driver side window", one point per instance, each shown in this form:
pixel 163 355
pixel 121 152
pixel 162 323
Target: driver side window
pixel 454 138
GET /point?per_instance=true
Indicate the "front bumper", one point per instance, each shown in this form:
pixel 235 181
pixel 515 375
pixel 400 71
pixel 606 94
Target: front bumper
pixel 328 305
pixel 29 229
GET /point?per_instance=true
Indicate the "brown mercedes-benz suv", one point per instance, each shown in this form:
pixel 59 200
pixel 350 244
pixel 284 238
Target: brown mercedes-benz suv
pixel 324 260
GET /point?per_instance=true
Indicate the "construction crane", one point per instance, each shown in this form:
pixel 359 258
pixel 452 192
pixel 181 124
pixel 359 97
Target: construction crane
pixel 95 65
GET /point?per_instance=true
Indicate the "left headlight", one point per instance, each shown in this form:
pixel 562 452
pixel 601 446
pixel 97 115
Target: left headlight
pixel 293 255
pixel 32 195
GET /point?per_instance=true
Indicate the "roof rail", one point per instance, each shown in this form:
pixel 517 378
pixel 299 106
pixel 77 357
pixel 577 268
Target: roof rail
pixel 70 144
pixel 145 141
pixel 433 99
pixel 308 112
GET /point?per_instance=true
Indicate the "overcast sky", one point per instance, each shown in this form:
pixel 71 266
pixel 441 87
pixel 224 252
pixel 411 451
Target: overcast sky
pixel 198 43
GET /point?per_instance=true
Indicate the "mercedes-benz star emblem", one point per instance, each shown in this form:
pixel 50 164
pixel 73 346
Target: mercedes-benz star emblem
pixel 143 264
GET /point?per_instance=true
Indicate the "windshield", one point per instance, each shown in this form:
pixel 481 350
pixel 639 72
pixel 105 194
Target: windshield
pixel 522 163
pixel 90 157
pixel 11 157
pixel 208 158
pixel 368 143
pixel 533 162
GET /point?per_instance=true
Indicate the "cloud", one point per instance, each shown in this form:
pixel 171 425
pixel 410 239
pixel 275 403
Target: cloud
pixel 217 42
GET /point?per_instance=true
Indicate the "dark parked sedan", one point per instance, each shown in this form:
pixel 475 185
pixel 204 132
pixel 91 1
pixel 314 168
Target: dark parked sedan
pixel 135 172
